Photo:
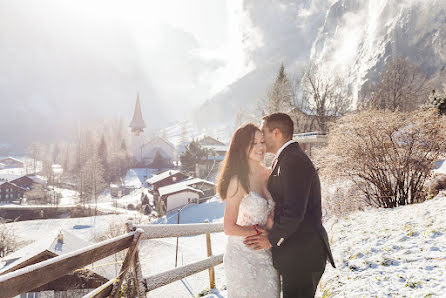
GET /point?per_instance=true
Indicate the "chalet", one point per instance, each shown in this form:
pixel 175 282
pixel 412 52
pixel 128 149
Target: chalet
pixel 217 152
pixel 10 192
pixel 178 195
pixel 207 187
pixel 27 182
pixel 188 191
pixel 11 162
pixel 165 178
pixel 310 140
pixel 75 284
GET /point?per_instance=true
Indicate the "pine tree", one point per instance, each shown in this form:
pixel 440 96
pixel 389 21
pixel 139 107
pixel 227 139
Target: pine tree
pixel 193 155
pixel 279 98
pixel 102 154
pixel 123 146
pixel 159 162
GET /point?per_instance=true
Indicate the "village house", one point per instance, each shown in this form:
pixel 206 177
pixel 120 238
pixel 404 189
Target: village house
pixel 217 151
pixel 10 192
pixel 165 178
pixel 178 195
pixel 310 140
pixel 174 189
pixel 28 182
pixel 11 162
pixel 75 284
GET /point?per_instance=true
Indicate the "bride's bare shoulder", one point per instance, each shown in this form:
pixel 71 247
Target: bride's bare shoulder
pixel 234 187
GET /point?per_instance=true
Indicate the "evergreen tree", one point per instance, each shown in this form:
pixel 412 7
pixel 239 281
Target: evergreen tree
pixel 123 146
pixel 159 162
pixel 279 98
pixel 102 154
pixel 56 153
pixel 193 154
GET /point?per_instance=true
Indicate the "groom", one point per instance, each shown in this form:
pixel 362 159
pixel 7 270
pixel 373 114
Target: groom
pixel 299 242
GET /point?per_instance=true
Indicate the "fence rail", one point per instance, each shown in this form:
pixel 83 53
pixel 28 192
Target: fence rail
pixel 28 278
pixel 31 277
pixel 167 231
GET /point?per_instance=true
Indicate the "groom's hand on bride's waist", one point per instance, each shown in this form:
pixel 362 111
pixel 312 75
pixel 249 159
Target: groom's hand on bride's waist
pixel 259 241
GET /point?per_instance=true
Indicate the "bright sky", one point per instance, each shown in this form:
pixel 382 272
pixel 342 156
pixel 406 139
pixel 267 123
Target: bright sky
pixel 67 62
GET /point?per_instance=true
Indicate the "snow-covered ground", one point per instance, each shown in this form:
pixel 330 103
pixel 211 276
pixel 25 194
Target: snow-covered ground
pixel 378 252
pixel 389 252
pixel 136 177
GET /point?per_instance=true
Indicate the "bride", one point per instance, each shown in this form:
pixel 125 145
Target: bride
pixel 249 209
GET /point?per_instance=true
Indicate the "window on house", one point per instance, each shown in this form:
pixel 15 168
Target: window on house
pixel 174 179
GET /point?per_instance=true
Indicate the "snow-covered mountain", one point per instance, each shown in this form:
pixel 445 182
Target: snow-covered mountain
pixel 359 37
pixel 353 37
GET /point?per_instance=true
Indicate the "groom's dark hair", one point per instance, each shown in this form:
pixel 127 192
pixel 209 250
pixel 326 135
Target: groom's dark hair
pixel 280 121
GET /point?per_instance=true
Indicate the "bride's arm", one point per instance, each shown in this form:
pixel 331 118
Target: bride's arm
pixel 234 196
pixel 270 221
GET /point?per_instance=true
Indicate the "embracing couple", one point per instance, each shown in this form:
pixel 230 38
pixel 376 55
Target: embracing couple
pixel 273 217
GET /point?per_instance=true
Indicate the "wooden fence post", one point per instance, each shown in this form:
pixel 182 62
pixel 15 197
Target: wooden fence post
pixel 126 264
pixel 209 250
pixel 137 271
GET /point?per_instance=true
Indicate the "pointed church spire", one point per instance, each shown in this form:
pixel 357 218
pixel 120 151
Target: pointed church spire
pixel 137 124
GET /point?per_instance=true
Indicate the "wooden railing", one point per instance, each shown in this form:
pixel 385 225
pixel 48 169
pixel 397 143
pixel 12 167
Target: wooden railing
pixel 31 277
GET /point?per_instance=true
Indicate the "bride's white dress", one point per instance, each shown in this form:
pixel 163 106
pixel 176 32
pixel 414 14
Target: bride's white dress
pixel 250 273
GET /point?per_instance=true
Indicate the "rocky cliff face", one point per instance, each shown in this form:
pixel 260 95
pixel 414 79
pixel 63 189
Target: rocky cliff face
pixel 359 37
pixel 355 38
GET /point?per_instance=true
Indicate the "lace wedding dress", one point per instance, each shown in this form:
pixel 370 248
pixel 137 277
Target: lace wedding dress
pixel 250 273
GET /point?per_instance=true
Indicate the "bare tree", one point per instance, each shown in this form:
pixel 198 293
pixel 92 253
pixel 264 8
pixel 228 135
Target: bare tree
pixel 93 174
pixel 38 194
pixel 35 150
pixel 326 94
pixel 387 155
pixel 402 87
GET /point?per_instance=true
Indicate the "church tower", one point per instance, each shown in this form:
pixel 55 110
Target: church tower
pixel 137 126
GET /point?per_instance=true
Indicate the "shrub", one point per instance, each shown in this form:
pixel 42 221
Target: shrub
pixel 438 183
pixel 387 155
pixel 8 240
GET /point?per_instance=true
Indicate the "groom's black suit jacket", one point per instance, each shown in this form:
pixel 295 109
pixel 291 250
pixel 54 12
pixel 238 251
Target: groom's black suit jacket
pixel 299 240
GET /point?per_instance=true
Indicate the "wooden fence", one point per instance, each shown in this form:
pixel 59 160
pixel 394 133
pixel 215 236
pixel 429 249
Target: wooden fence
pixel 31 277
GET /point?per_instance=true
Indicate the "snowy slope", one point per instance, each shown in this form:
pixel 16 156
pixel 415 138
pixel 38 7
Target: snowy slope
pixel 397 252
pixel 378 252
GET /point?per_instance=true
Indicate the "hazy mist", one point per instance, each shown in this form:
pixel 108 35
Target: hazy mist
pixel 66 63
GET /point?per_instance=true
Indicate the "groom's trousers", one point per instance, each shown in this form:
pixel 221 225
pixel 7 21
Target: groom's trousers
pixel 303 286
pixel 302 272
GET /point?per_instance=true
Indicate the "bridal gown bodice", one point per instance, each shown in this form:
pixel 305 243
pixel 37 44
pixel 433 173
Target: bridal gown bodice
pixel 250 273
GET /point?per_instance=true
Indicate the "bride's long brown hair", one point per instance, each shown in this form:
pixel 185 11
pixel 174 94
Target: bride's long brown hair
pixel 236 160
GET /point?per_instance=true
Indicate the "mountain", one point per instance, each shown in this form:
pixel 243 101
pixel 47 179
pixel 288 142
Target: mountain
pixel 354 38
pixel 358 38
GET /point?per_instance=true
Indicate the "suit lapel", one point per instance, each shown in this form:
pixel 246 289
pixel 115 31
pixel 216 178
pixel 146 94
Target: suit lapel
pixel 277 166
